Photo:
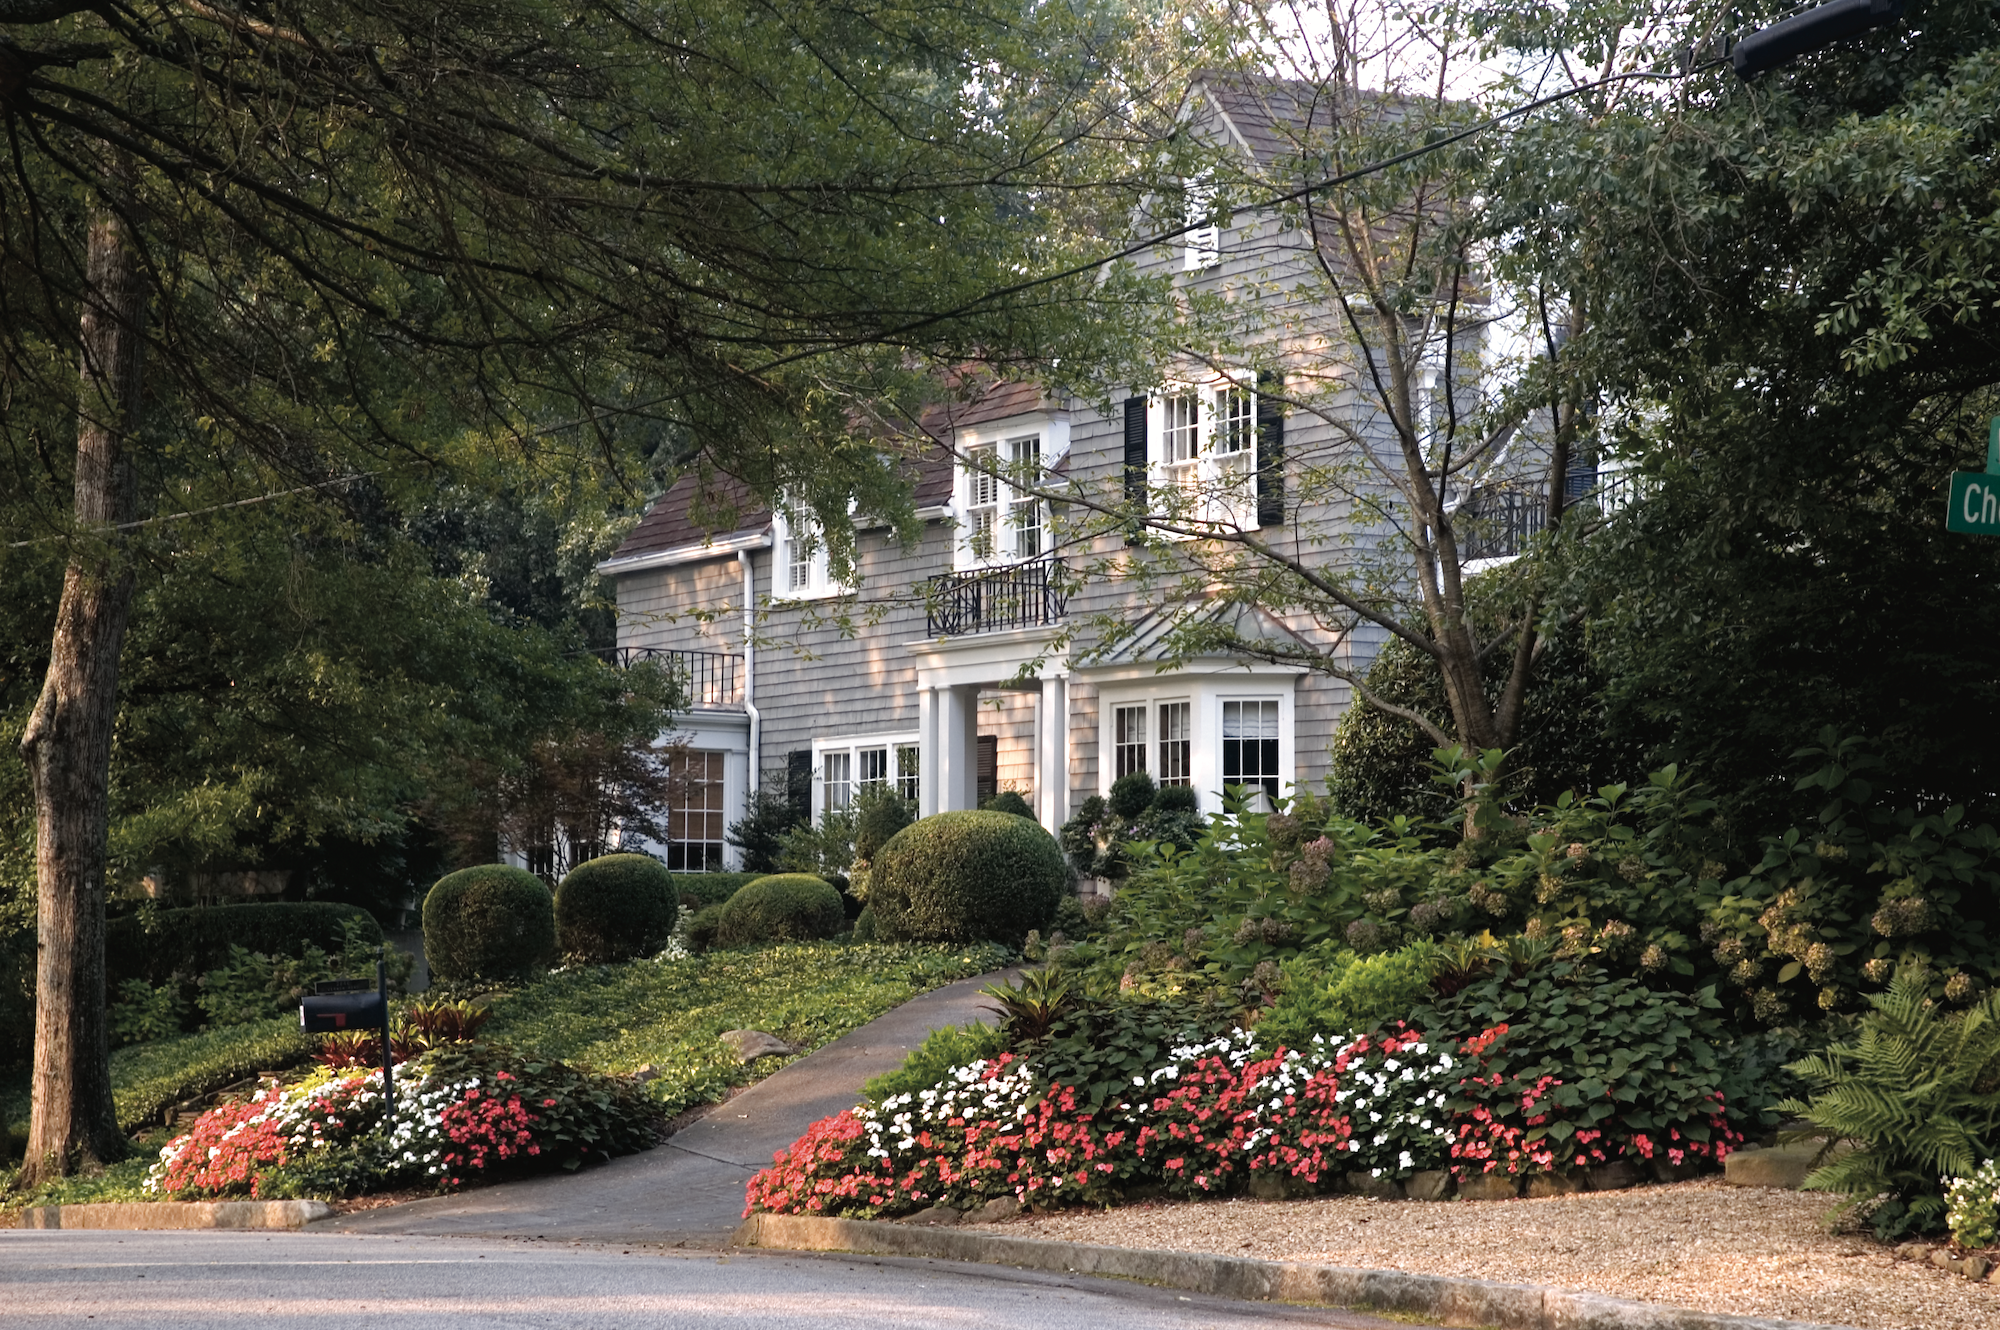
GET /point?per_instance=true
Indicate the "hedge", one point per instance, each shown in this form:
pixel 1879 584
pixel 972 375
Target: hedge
pixel 148 1079
pixel 195 940
pixel 488 922
pixel 967 876
pixel 787 907
pixel 616 907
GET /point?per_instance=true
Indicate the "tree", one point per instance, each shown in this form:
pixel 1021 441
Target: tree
pixel 1789 283
pixel 346 231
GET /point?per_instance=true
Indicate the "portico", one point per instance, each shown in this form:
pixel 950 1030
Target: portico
pixel 951 673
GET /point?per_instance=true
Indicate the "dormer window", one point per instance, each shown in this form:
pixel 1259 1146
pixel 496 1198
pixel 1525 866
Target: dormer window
pixel 801 570
pixel 1204 239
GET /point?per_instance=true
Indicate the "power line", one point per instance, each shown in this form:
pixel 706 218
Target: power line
pixel 199 512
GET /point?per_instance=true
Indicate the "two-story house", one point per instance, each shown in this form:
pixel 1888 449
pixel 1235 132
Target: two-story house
pixel 1007 647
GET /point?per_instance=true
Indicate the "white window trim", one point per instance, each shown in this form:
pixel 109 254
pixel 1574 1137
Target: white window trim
pixel 1206 696
pixel 1052 430
pixel 820 583
pixel 1225 501
pixel 853 747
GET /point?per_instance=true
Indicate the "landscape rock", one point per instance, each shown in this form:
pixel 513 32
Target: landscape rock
pixel 1382 1189
pixel 1976 1267
pixel 649 1072
pixel 1941 1259
pixel 995 1210
pixel 936 1215
pixel 1431 1185
pixel 1780 1166
pixel 1614 1176
pixel 749 1045
pixel 1566 1183
pixel 1495 1186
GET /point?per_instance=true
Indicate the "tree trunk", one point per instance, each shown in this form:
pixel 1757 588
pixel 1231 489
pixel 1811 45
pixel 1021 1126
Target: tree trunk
pixel 67 743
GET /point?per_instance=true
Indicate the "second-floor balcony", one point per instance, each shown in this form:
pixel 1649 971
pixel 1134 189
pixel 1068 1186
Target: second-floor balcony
pixel 992 600
pixel 708 678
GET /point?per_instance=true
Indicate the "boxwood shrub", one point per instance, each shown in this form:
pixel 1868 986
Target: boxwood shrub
pixel 488 922
pixel 699 890
pixel 616 907
pixel 967 876
pixel 790 907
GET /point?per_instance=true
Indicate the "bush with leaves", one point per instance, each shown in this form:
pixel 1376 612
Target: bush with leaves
pixel 1332 990
pixel 1008 801
pixel 784 907
pixel 930 1062
pixel 615 907
pixel 1099 836
pixel 144 1012
pixel 1917 1094
pixel 759 835
pixel 967 876
pixel 1972 1207
pixel 490 922
pixel 253 985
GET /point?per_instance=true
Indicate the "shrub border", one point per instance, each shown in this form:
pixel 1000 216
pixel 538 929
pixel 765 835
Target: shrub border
pixel 1439 1299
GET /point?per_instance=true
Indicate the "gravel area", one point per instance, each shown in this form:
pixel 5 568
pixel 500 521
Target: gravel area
pixel 1750 1250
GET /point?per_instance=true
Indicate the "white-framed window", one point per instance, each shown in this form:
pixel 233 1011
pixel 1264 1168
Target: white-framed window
pixel 1128 744
pixel 1000 518
pixel 845 767
pixel 800 569
pixel 1250 749
pixel 1204 241
pixel 696 817
pixel 1176 743
pixel 1203 446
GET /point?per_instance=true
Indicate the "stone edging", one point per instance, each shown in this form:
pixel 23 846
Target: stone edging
pixel 177 1214
pixel 1436 1298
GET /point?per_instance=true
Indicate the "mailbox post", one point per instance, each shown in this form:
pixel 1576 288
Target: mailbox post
pixel 346 1004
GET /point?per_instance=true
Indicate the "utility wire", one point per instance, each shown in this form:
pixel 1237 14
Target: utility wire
pixel 1161 237
pixel 198 512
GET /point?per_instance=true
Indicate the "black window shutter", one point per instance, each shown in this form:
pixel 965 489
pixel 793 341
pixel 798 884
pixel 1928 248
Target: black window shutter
pixel 1135 458
pixel 1270 451
pixel 799 782
pixel 989 767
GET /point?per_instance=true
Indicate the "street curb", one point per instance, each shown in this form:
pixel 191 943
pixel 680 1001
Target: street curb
pixel 138 1215
pixel 1439 1299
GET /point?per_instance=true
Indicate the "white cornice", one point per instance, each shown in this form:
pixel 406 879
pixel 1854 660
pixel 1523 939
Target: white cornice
pixel 724 548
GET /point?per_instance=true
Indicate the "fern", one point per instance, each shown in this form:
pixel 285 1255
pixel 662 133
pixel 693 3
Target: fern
pixel 1918 1097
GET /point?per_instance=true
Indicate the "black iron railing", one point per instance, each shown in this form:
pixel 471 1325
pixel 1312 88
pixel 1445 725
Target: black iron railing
pixel 1025 595
pixel 1498 523
pixel 710 678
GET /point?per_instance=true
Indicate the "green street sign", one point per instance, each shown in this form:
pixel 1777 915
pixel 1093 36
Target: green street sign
pixel 1974 506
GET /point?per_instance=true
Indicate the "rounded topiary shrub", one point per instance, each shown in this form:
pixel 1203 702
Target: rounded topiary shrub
pixel 788 907
pixel 967 876
pixel 616 907
pixel 488 922
pixel 1009 801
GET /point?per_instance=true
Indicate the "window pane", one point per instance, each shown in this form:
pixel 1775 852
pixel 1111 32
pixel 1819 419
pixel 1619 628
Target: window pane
pixel 907 772
pixel 1026 519
pixel 1235 420
pixel 695 823
pixel 1176 743
pixel 1181 438
pixel 1129 740
pixel 1250 745
pixel 874 766
pixel 838 769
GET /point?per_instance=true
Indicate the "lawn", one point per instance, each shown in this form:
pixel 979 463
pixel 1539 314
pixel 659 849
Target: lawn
pixel 614 1019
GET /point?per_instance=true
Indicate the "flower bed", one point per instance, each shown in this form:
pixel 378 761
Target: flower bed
pixel 463 1113
pixel 1210 1120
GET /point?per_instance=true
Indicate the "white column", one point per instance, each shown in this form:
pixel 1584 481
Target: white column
pixel 958 746
pixel 930 767
pixel 1052 742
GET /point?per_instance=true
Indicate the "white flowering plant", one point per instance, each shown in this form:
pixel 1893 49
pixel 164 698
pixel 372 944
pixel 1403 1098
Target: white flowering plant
pixel 1972 1207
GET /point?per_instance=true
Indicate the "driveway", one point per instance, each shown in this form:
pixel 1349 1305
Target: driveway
pixel 690 1190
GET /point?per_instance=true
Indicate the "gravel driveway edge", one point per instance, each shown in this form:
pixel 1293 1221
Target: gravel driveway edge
pixel 1436 1298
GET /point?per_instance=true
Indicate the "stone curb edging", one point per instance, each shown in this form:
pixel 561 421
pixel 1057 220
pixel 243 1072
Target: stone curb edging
pixel 1437 1298
pixel 177 1215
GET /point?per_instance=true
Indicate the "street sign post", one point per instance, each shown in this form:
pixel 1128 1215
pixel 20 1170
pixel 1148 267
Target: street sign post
pixel 1973 508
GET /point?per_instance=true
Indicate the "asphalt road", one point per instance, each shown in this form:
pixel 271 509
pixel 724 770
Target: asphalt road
pixel 302 1281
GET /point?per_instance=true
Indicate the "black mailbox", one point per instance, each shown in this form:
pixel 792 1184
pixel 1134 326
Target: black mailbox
pixel 322 1013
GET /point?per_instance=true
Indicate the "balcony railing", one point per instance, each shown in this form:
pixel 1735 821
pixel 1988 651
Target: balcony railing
pixel 1498 523
pixel 709 678
pixel 1025 595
